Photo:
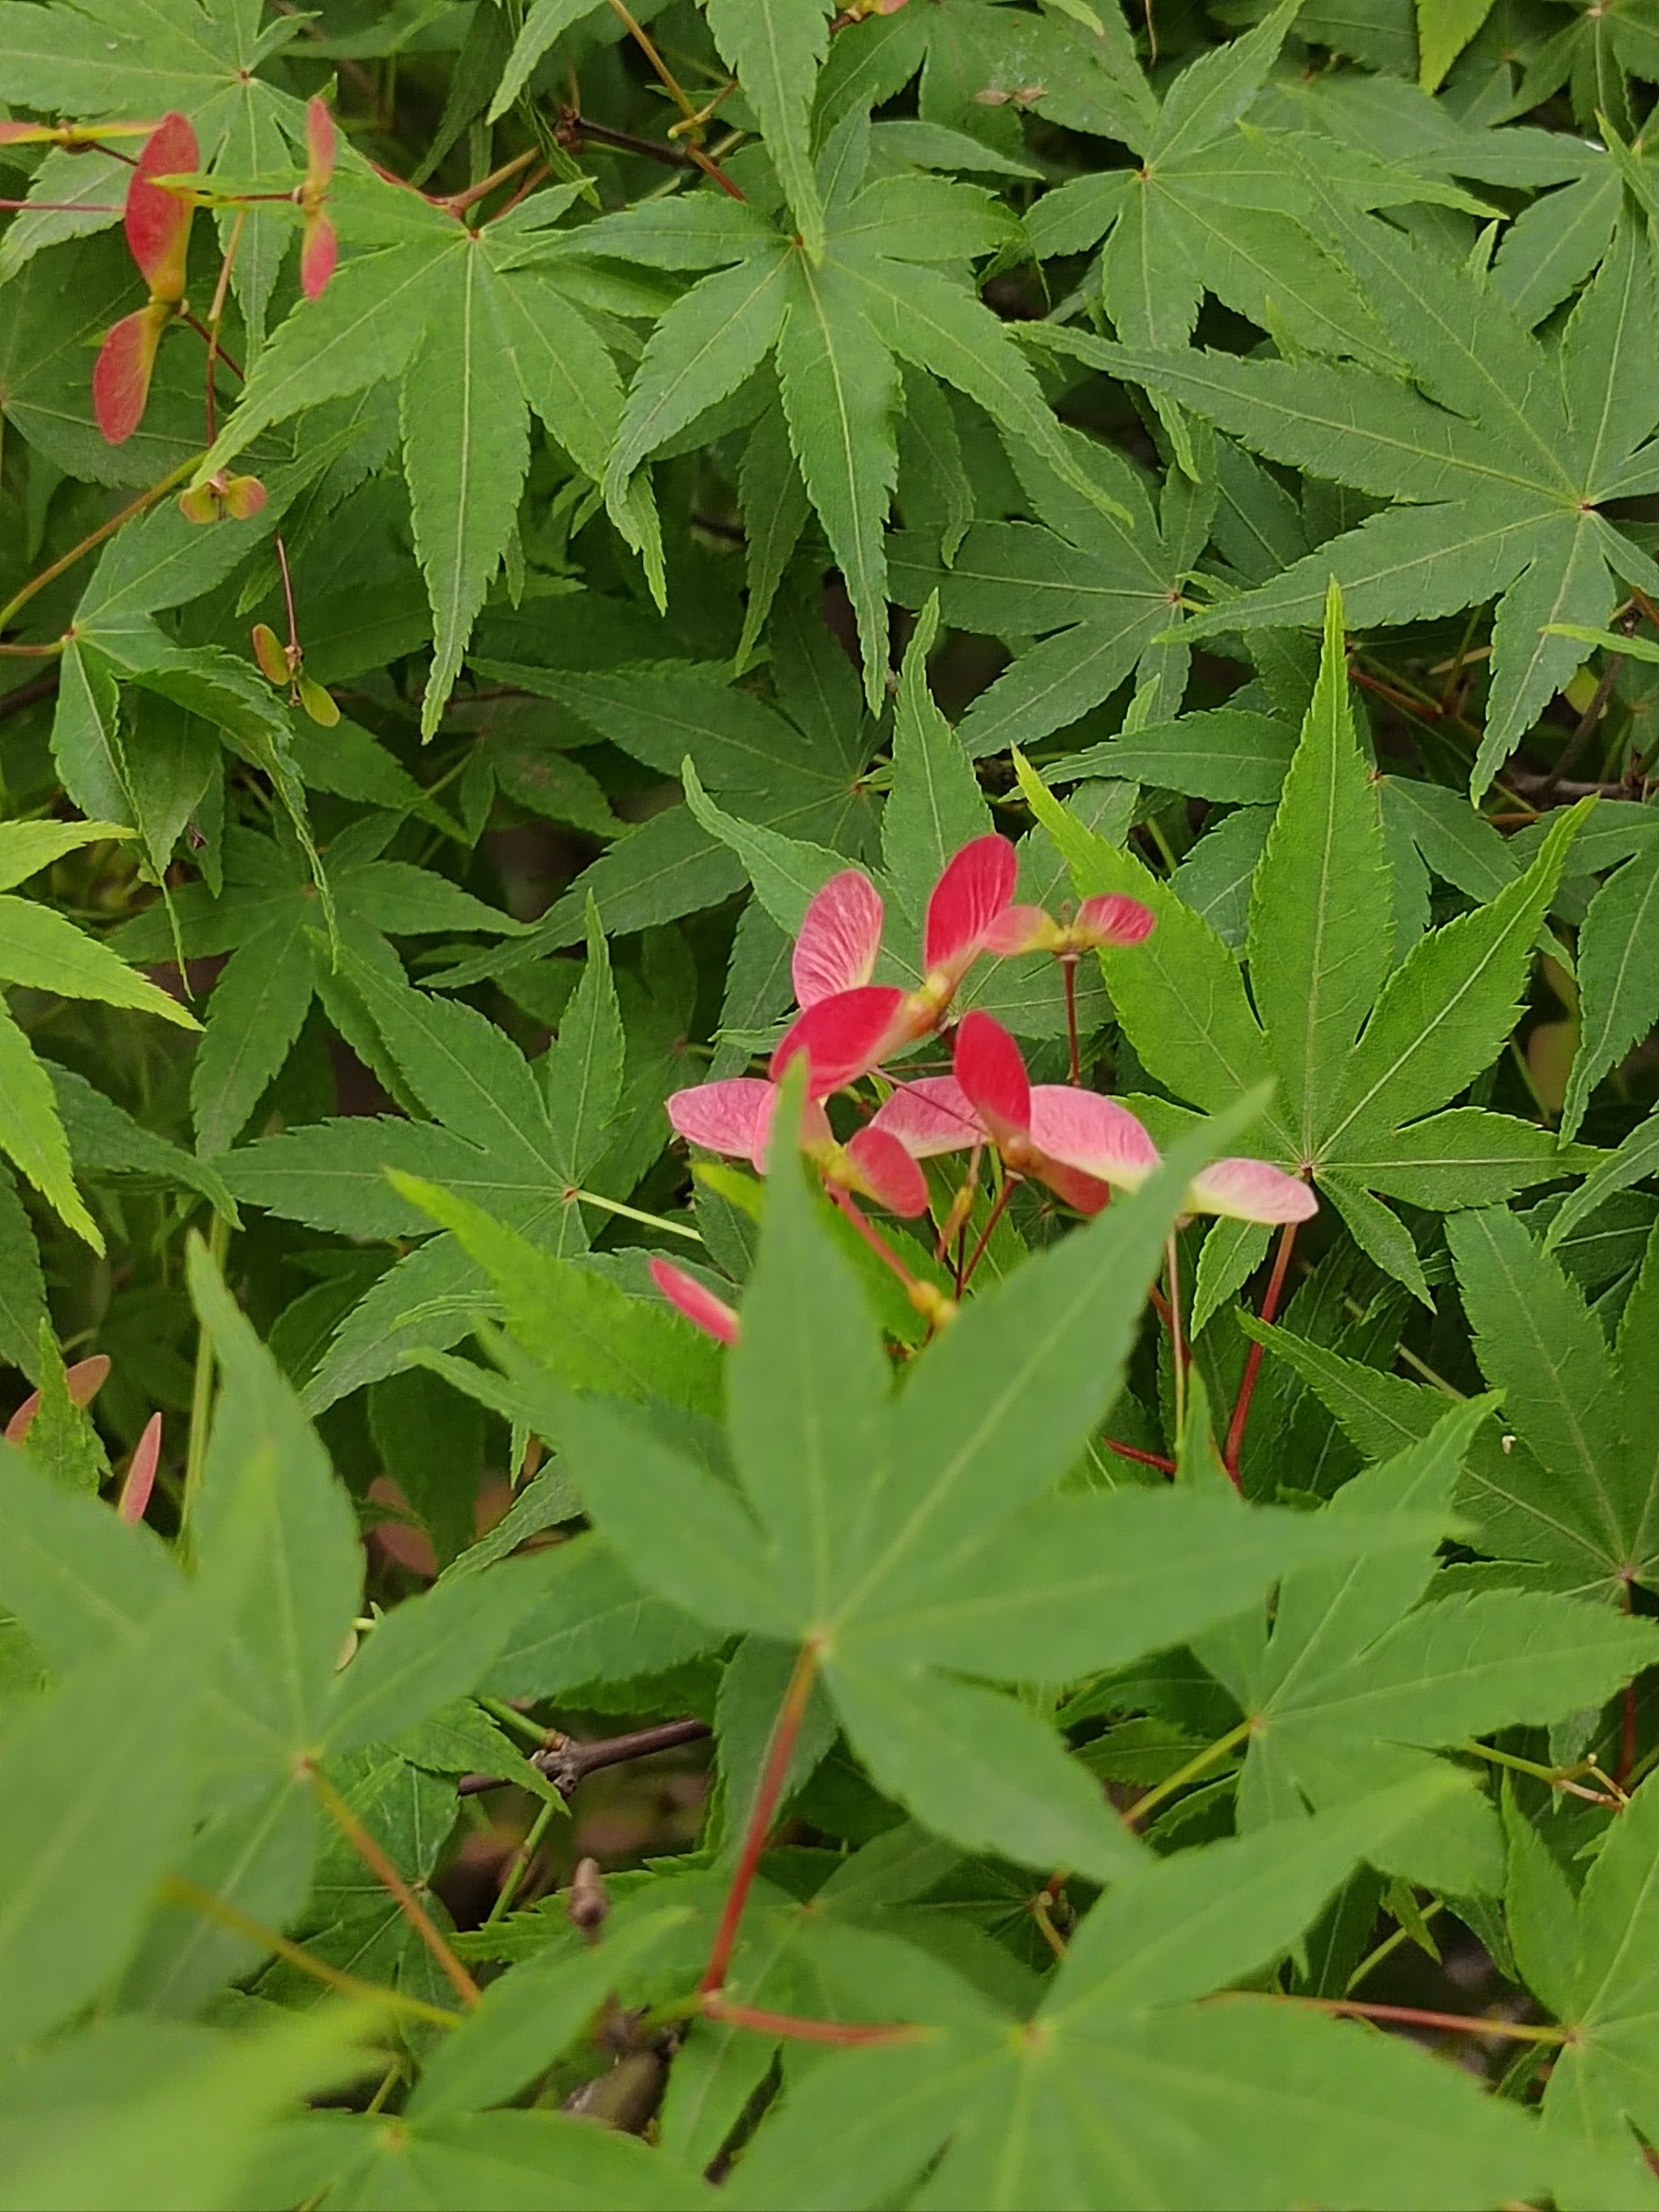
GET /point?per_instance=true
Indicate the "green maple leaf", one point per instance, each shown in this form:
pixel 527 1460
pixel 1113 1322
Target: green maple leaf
pixel 1593 56
pixel 794 769
pixel 839 326
pixel 1135 2082
pixel 97 59
pixel 1565 1485
pixel 268 919
pixel 117 646
pixel 1211 207
pixel 57 309
pixel 909 1539
pixel 1364 1671
pixel 43 950
pixel 983 66
pixel 522 1137
pixel 1366 1055
pixel 479 333
pixel 1100 594
pixel 1498 465
pixel 1618 961
pixel 1589 1959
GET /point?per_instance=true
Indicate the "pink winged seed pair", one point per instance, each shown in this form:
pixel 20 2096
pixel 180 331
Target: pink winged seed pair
pixel 1081 1145
pixel 157 221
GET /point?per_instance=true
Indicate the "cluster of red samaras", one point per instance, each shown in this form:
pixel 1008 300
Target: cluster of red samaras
pixel 1082 1145
pixel 157 221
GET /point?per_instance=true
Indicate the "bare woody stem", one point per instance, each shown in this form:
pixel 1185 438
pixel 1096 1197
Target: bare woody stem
pixel 95 538
pixel 387 1875
pixel 1270 1298
pixel 785 1730
pixel 1450 2023
pixel 228 1915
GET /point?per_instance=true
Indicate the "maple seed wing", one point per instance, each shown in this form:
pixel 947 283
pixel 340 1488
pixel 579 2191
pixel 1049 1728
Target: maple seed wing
pixel 83 1380
pixel 319 143
pixel 978 882
pixel 1112 919
pixel 157 221
pixel 700 1306
pixel 121 373
pixel 991 1073
pixel 318 256
pixel 734 1118
pixel 1251 1190
pixel 1018 929
pixel 840 937
pixel 1081 1129
pixel 844 1037
pixel 887 1173
pixel 140 1474
pixel 268 652
pixel 931 1115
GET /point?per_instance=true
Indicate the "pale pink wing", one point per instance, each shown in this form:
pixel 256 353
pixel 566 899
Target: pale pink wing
pixel 840 937
pixel 83 1380
pixel 1017 929
pixel 1251 1190
pixel 1085 1192
pixel 843 1036
pixel 733 1117
pixel 978 882
pixel 931 1115
pixel 887 1172
pixel 158 222
pixel 1114 919
pixel 120 375
pixel 700 1306
pixel 988 1067
pixel 141 1474
pixel 318 255
pixel 319 143
pixel 1082 1130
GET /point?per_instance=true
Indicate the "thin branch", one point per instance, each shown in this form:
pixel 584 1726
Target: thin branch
pixel 565 1762
pixel 574 130
pixel 27 695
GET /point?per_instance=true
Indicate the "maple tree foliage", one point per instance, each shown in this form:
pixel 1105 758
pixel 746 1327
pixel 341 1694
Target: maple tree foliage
pixel 829 1148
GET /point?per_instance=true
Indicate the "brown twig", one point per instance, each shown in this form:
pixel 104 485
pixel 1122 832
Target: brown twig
pixel 27 695
pixel 574 130
pixel 565 1762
